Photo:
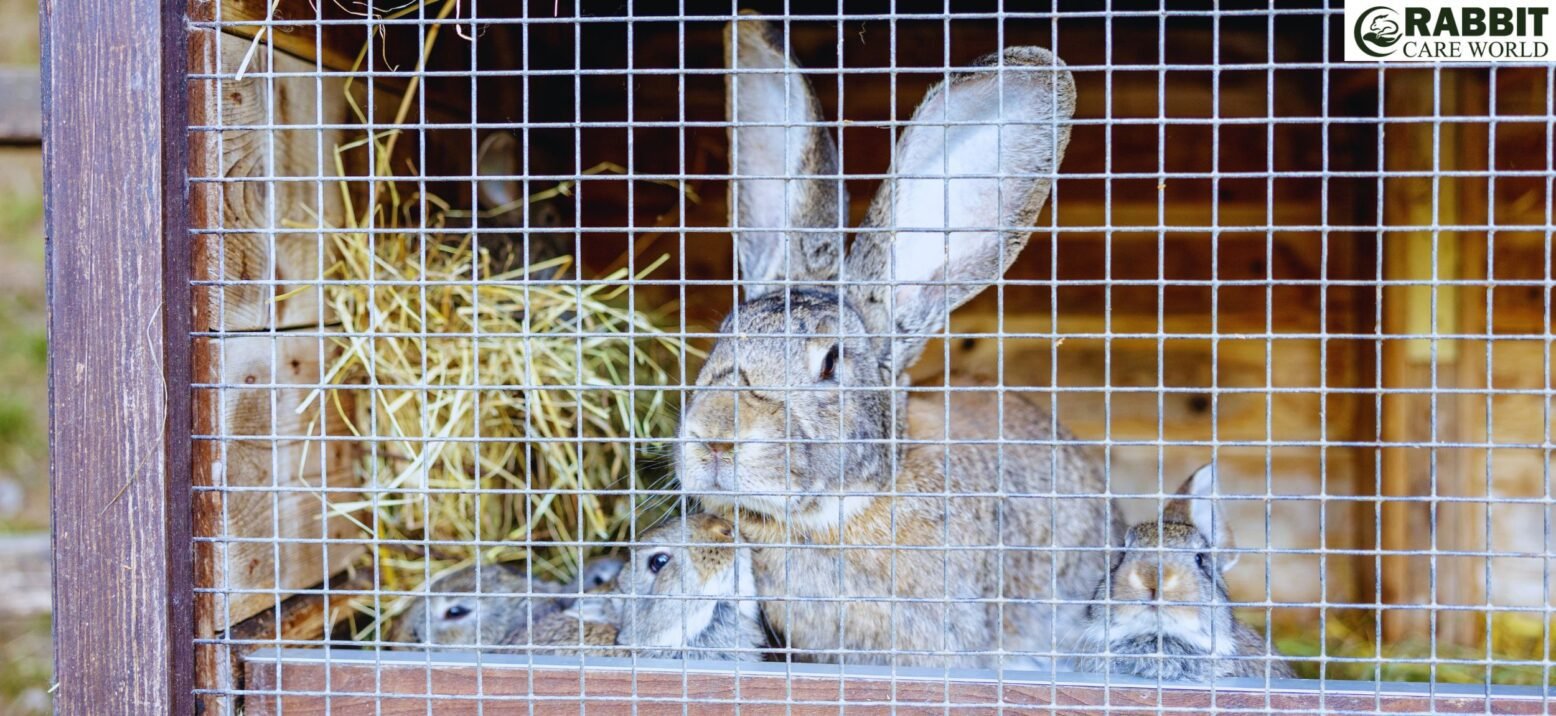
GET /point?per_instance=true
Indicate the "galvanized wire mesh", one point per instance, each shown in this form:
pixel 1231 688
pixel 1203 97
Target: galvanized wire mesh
pixel 1328 280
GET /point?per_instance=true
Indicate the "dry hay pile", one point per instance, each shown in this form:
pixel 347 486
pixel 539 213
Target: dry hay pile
pixel 501 419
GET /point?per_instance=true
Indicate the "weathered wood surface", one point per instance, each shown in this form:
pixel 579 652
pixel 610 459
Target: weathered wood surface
pixel 248 438
pixel 398 687
pixel 269 180
pixel 261 466
pixel 301 618
pixel 294 30
pixel 1421 363
pixel 271 230
pixel 21 106
pixel 119 321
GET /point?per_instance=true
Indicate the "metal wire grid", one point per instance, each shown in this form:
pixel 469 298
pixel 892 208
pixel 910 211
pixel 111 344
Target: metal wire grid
pixel 1156 488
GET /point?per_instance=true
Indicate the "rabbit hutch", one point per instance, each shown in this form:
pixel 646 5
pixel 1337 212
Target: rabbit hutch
pixel 368 316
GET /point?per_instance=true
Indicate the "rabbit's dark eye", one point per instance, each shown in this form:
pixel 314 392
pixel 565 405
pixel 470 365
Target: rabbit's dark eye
pixel 457 611
pixel 1203 561
pixel 829 364
pixel 658 562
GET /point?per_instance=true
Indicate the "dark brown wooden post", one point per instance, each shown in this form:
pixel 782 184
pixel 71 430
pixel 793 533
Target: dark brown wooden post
pixel 114 137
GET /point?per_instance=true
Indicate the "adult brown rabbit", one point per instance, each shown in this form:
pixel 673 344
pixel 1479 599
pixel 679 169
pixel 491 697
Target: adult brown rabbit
pixel 1163 612
pixel 870 549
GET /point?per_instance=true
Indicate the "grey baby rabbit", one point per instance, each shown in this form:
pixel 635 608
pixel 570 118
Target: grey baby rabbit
pixel 678 597
pixel 499 601
pixel 797 432
pixel 1169 616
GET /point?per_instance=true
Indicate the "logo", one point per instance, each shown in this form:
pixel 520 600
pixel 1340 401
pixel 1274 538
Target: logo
pixel 1483 31
pixel 1377 31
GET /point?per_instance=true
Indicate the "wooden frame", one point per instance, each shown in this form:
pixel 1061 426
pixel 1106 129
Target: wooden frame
pixel 419 682
pixel 119 350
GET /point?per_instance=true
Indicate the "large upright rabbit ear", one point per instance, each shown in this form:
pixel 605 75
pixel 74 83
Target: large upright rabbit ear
pixel 970 175
pixel 789 200
pixel 1198 506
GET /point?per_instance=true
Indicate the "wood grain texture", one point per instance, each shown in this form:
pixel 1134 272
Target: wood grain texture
pixel 301 618
pixel 409 688
pixel 119 320
pixel 262 533
pixel 1414 420
pixel 270 230
pixel 234 551
pixel 269 178
pixel 294 29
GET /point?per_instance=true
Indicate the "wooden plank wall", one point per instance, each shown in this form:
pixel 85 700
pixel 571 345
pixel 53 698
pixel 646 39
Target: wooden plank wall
pixel 269 449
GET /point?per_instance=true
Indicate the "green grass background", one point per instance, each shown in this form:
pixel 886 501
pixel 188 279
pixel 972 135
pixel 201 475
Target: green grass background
pixel 25 659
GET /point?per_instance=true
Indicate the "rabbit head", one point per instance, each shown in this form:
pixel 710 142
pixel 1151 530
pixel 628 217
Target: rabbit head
pixel 1166 595
pixel 677 581
pixel 596 573
pixel 800 391
pixel 464 608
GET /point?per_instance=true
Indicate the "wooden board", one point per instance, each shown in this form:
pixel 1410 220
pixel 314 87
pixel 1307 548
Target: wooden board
pixel 267 180
pixel 295 31
pixel 302 618
pixel 261 465
pixel 1415 424
pixel 230 163
pixel 418 684
pixel 119 355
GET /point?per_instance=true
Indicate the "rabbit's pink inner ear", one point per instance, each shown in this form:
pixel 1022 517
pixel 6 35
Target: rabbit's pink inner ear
pixel 784 165
pixel 970 176
pixel 1201 507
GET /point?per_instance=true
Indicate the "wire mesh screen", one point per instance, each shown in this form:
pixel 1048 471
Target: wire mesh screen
pixel 918 356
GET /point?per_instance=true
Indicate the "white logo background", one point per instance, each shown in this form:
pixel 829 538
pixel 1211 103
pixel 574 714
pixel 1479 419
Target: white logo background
pixel 1450 30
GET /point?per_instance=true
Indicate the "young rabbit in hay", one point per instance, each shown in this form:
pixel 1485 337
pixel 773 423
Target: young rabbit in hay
pixel 793 436
pixel 678 597
pixel 1169 616
pixel 675 597
pixel 468 608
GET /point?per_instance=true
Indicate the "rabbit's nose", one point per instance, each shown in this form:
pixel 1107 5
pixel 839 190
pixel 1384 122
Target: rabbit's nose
pixel 1143 578
pixel 719 448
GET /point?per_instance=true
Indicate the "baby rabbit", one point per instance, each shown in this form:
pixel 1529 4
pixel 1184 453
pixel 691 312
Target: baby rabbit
pixel 498 160
pixel 799 435
pixel 1168 617
pixel 457 601
pixel 677 598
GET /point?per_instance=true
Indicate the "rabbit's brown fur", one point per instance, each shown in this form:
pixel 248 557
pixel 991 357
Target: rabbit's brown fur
pixel 869 550
pixel 1164 611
